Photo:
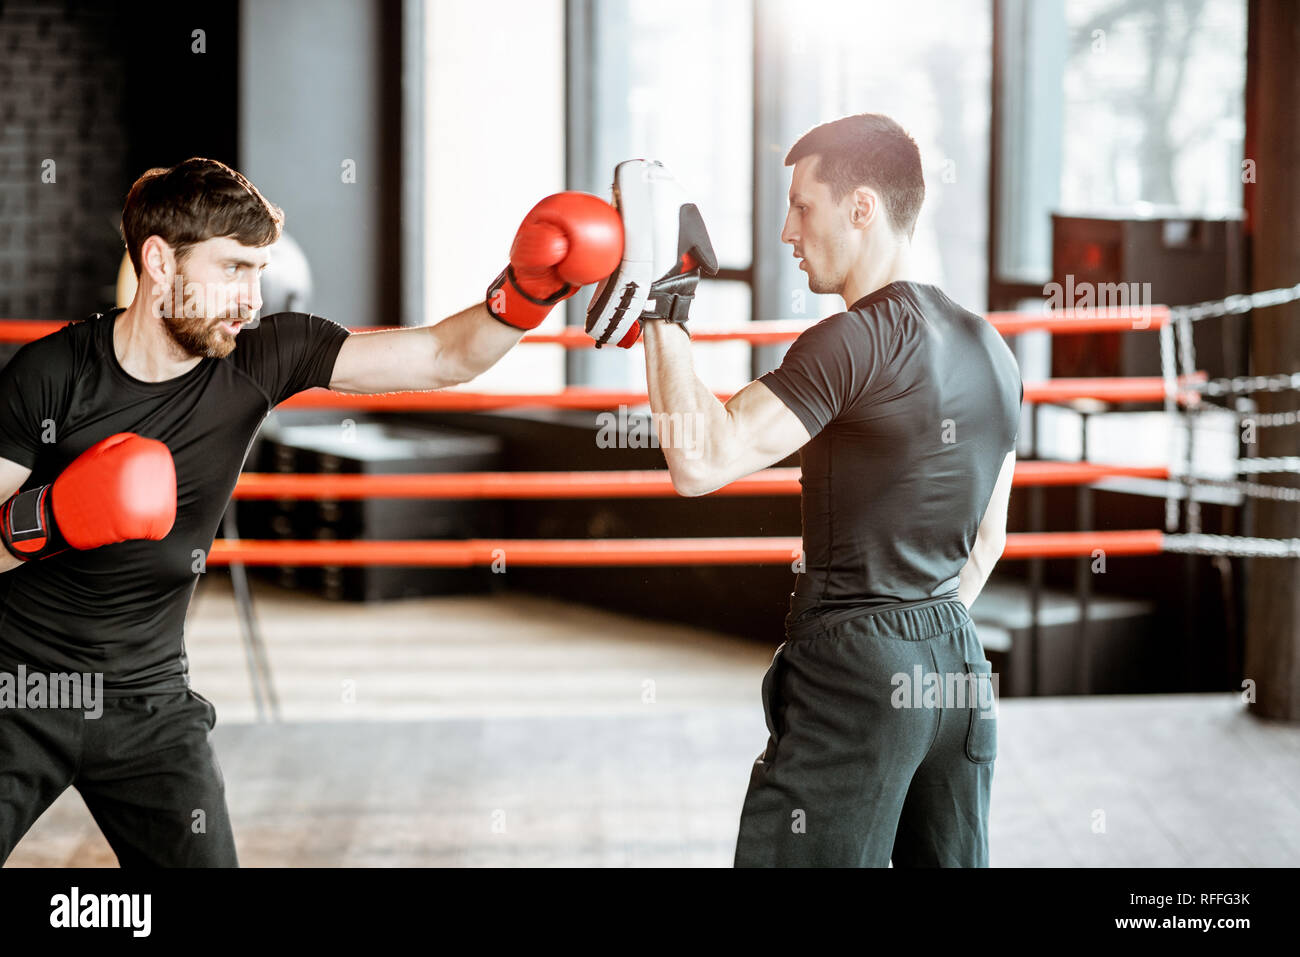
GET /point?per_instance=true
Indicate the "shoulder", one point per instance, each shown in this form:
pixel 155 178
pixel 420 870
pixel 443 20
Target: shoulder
pixel 885 311
pixel 286 330
pixel 282 324
pixel 872 321
pixel 58 352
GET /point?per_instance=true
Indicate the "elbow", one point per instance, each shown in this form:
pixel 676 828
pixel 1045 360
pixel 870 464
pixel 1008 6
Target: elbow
pixel 690 483
pixel 698 469
pixel 453 366
pixel 453 374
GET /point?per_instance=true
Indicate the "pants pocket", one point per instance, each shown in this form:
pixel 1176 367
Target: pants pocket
pixel 208 706
pixel 982 737
pixel 772 705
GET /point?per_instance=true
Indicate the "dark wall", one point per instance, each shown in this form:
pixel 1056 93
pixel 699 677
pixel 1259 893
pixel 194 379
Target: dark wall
pixel 92 94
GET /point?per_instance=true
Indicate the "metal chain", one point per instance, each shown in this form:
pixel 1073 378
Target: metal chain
pixel 1235 305
pixel 1241 385
pixel 1279 493
pixel 1181 317
pixel 1265 420
pixel 1281 463
pixel 1234 545
pixel 1171 413
pixel 1260 420
pixel 1187 366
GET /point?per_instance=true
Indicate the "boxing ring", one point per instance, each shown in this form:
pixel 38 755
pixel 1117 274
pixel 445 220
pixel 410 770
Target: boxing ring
pixel 623 786
pixel 1181 390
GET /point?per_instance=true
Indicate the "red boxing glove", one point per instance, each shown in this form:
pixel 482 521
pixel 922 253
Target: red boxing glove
pixel 119 489
pixel 565 242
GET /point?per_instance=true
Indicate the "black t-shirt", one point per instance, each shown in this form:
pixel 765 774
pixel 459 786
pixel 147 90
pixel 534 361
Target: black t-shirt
pixel 120 609
pixel 913 404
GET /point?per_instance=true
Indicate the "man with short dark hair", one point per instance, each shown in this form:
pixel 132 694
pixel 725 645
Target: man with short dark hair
pixel 904 409
pixel 121 439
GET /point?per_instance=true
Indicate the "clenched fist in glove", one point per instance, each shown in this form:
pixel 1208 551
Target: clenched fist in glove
pixel 665 250
pixel 121 488
pixel 565 242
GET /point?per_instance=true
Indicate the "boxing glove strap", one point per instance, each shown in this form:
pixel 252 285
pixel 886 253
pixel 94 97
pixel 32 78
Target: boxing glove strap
pixel 673 297
pixel 508 275
pixel 27 526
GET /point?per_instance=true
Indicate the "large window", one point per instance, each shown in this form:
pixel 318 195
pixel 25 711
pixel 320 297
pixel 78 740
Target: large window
pixel 720 89
pixel 1154 105
pixel 927 64
pixel 1133 107
pixel 672 80
pixel 492 146
pixel 1105 104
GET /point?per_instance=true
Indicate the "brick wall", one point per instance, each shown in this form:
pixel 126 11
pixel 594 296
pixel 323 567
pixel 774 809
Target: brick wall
pixel 61 119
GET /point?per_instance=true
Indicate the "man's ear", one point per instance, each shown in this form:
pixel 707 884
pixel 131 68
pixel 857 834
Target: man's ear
pixel 158 262
pixel 153 259
pixel 863 207
pixel 158 259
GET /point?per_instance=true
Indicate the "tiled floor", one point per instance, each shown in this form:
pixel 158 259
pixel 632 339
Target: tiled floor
pixel 516 731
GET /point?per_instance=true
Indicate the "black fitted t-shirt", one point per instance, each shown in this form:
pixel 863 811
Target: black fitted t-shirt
pixel 912 403
pixel 120 609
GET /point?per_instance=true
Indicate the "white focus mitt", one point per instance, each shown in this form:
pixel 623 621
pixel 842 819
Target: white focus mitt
pixel 665 250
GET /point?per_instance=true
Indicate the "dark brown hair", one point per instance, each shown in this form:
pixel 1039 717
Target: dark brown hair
pixel 193 201
pixel 868 149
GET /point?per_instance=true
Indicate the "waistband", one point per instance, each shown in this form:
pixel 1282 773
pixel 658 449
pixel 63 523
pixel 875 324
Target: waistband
pixel 908 620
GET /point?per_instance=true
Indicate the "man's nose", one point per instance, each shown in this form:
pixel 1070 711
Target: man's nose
pixel 252 300
pixel 788 234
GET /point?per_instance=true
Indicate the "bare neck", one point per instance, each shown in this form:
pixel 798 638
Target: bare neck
pixel 143 348
pixel 879 264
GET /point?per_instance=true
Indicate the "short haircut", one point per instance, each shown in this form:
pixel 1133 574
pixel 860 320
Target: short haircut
pixel 868 149
pixel 196 200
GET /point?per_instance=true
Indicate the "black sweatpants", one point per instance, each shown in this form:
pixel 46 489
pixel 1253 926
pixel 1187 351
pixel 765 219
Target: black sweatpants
pixel 144 767
pixel 864 762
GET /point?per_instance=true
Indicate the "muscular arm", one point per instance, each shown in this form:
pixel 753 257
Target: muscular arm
pixel 712 444
pixel 12 477
pixel 452 351
pixel 991 539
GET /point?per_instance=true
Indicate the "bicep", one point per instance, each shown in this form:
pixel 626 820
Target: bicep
pixel 993 526
pixel 764 431
pixel 12 477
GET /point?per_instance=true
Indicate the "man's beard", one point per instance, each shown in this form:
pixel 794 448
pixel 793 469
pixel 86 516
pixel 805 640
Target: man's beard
pixel 198 336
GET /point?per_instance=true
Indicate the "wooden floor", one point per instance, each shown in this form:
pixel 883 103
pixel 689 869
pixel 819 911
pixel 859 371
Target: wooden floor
pixel 514 731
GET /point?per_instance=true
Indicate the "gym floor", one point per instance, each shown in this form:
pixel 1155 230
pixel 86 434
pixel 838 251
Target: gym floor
pixel 513 730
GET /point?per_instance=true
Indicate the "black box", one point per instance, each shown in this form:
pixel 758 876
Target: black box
pixel 361 446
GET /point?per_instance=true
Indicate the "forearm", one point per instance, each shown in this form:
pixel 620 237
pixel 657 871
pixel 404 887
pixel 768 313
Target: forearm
pixel 983 557
pixel 7 561
pixel 471 342
pixel 694 428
